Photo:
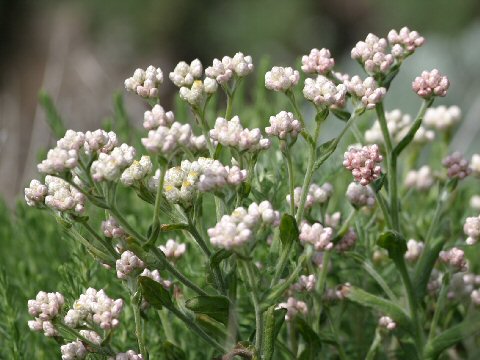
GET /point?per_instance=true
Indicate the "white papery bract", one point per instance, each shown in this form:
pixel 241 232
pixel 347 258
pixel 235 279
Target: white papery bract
pixel 129 355
pixel 109 166
pixel 222 71
pixel 62 196
pixel 281 78
pixel 471 228
pixel 387 323
pixel 454 258
pixel 100 141
pixel 73 351
pixel 421 179
pixel 239 228
pixel 136 172
pixel 404 42
pixel 431 83
pixel 398 125
pixel 145 83
pixel 58 160
pixel 457 166
pixel 35 193
pixel 367 91
pixel 231 133
pixel 316 195
pixel 442 117
pixel 360 196
pixel 362 162
pixel 414 250
pixel 284 125
pixel 173 250
pixel 317 235
pixel 372 53
pixel 45 308
pixel 323 92
pixel 185 74
pixel 294 307
pixel 318 61
pixel 128 263
pixel 94 306
pixel 156 117
pixel 197 93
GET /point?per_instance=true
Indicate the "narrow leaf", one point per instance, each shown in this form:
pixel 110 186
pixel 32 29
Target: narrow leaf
pixel 288 230
pixel 269 333
pixel 155 293
pixel 394 243
pixel 214 306
pixel 341 114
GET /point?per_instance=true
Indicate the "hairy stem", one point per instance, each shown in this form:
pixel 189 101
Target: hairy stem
pixel 135 301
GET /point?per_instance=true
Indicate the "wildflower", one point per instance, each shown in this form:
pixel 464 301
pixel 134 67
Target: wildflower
pixel 475 202
pixel 173 250
pixel 284 125
pixel 347 242
pixel 136 172
pixel 362 162
pixel 316 195
pixel 471 228
pixel 231 133
pixel 457 166
pixel 219 71
pixel 222 71
pixel 430 84
pixel 235 230
pixel 318 61
pixel 442 117
pixel 475 164
pixel 91 336
pixel 317 235
pixel 294 307
pixel 404 42
pixel 421 179
pixel 323 92
pixel 455 258
pixel 387 323
pixel 475 296
pixel 156 117
pixel 372 53
pixel 281 78
pixel 367 91
pixel 100 141
pixel 184 74
pixel 155 276
pixel 333 220
pixel 109 166
pixel 73 350
pixel 305 283
pixel 112 229
pixel 45 308
pixel 61 196
pixel 360 196
pixel 414 250
pixel 129 355
pixel 166 140
pixel 128 263
pixel 145 83
pixel 58 160
pixel 35 193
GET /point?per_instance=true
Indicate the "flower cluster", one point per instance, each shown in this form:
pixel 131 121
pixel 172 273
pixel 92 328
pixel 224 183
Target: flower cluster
pixel 387 323
pixel 317 235
pixel 128 263
pixel 156 117
pixel 324 92
pixel 475 164
pixel 155 276
pixel 454 258
pixel 94 306
pixel 398 126
pixel 109 167
pixel 222 71
pixel 173 250
pixel 145 82
pixel 35 193
pixel 318 61
pixel 65 155
pixel 73 350
pixel 234 230
pixel 99 141
pixel 360 196
pixel 316 195
pixel 196 94
pixel 404 42
pixel 294 307
pixel 129 355
pixel 366 91
pixel 231 133
pixel 304 283
pixel 414 250
pixel 457 166
pixel 372 53
pixel 431 83
pixel 442 118
pixel 45 308
pixel 112 229
pixel 136 172
pixel 281 78
pixel 347 242
pixel 421 179
pixel 184 74
pixel 471 228
pixel 362 162
pixel 284 125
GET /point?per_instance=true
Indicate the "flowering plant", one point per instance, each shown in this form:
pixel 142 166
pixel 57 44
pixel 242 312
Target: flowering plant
pixel 242 247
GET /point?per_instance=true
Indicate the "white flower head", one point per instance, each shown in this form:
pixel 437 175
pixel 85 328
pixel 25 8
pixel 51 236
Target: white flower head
pixel 318 61
pixel 281 78
pixel 367 91
pixel 145 83
pixel 323 92
pixel 372 53
pixel 185 74
pixel 442 117
pixel 156 117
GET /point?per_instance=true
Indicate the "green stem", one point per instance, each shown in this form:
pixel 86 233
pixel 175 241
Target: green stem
pixel 298 113
pixel 291 183
pixel 375 343
pixel 384 207
pixel 108 246
pixel 166 326
pixel 442 197
pixel 440 304
pixel 135 301
pixel 163 164
pixel 339 346
pixel 323 279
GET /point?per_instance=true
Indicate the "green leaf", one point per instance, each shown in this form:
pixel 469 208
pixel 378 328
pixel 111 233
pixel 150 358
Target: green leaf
pixel 309 336
pixel 382 305
pixel 53 118
pixel 378 184
pixel 214 306
pixel 288 230
pixel 324 151
pixel 321 115
pixel 269 333
pixel 394 243
pixel 425 266
pixel 171 352
pixel 452 336
pixel 219 256
pixel 211 326
pixel 173 227
pixel 390 76
pixel 155 293
pixel 341 114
